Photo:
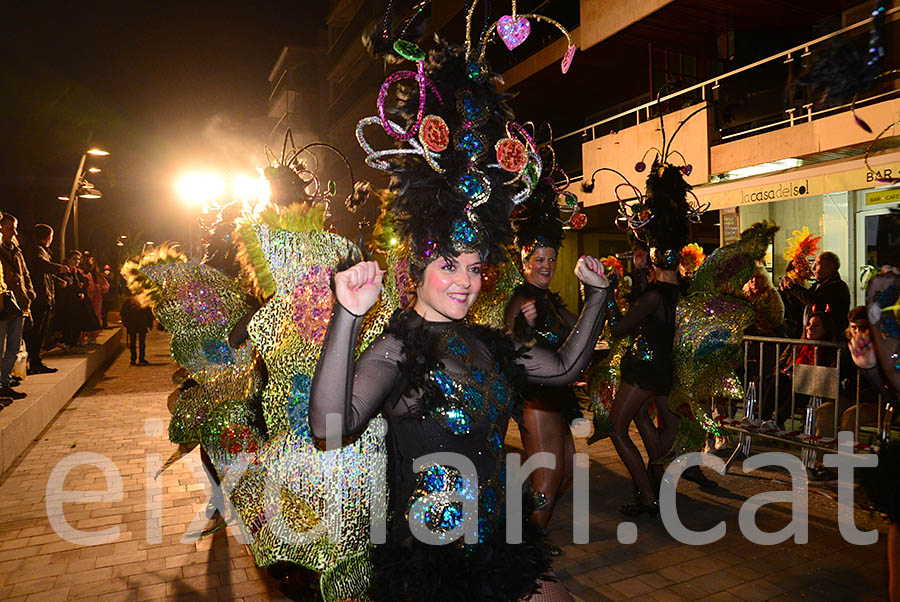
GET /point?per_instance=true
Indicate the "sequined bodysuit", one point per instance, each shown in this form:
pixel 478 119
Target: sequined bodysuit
pixel 648 363
pixel 443 387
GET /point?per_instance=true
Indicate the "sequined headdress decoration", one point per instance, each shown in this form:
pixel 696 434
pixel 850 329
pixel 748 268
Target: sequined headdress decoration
pixel 293 177
pixel 661 215
pixel 800 247
pixel 539 221
pixel 461 161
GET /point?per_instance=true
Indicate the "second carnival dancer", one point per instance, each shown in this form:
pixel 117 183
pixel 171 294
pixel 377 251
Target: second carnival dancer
pixel 647 366
pixel 537 316
pixel 444 385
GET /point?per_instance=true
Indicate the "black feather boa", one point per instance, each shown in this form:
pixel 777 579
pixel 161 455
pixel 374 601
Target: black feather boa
pixel 546 303
pixel 491 571
pixel 422 350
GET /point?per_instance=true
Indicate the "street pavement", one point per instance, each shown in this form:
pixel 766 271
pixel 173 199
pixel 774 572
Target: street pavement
pixel 121 415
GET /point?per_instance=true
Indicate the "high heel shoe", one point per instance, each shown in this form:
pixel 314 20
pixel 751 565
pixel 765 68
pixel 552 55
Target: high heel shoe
pixel 635 508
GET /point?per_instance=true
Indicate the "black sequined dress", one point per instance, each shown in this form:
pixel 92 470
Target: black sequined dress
pixel 648 363
pixel 445 387
pixel 554 322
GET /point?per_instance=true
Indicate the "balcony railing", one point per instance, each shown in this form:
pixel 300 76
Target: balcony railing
pixel 749 100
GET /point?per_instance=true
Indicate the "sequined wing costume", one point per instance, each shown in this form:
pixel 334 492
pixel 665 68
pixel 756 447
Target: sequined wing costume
pixel 298 503
pixel 710 324
pixel 199 306
pixel 444 387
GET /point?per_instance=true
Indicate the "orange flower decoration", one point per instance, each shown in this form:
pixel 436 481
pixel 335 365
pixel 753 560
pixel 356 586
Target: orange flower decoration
pixel 692 257
pixel 612 263
pixel 801 246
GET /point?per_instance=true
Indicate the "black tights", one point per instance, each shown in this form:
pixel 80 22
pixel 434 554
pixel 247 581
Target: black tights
pixel 633 404
pixel 546 431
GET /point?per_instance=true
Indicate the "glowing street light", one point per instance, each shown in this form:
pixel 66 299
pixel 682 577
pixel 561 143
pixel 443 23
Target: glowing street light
pixel 81 188
pixel 249 188
pixel 94 169
pixel 147 243
pixel 200 188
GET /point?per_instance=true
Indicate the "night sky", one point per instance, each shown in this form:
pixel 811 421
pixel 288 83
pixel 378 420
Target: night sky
pixel 164 86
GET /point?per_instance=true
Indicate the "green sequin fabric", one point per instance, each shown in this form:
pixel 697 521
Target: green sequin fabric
pixel 296 503
pixel 498 284
pixel 710 325
pixel 199 306
pixel 330 492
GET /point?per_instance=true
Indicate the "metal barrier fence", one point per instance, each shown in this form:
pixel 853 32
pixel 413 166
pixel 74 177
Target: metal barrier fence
pixel 815 384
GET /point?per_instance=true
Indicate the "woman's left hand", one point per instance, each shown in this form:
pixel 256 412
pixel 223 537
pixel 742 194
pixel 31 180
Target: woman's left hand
pixel 590 271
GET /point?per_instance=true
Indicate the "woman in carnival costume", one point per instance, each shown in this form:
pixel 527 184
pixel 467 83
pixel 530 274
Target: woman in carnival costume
pixel 646 368
pixel 248 347
pixel 537 316
pixel 445 385
pixel 660 217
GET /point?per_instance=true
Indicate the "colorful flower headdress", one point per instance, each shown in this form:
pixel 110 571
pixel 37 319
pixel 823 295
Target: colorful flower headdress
pixel 461 161
pixel 661 215
pixel 801 246
pixel 539 221
pixel 692 257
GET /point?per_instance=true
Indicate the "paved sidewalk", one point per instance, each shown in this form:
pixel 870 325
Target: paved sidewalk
pixel 108 417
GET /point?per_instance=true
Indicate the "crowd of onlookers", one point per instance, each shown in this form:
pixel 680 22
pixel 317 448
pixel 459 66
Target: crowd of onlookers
pixel 819 313
pixel 45 303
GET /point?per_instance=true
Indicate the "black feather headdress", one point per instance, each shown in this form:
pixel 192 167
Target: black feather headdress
pixel 666 200
pixel 436 213
pixel 461 163
pixel 538 221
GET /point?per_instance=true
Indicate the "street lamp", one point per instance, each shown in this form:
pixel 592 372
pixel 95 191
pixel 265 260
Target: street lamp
pixel 80 188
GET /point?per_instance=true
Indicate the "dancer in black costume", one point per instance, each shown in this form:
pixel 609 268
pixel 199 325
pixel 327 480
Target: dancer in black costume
pixel 647 367
pixel 445 386
pixel 537 316
pixel 646 380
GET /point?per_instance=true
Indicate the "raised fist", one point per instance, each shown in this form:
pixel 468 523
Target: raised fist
pixel 357 288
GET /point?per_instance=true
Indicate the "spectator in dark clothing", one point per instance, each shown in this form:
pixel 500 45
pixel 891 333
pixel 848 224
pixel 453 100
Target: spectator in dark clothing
pixel 137 320
pixel 828 295
pixel 74 312
pixel 793 310
pixel 44 278
pixel 113 291
pixel 819 327
pixel 15 274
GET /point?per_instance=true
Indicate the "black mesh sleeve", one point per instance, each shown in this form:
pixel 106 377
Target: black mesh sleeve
pixel 354 390
pixel 547 367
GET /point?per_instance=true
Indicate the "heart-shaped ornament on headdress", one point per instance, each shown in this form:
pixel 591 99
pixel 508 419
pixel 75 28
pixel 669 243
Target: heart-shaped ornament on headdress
pixel 567 59
pixel 513 31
